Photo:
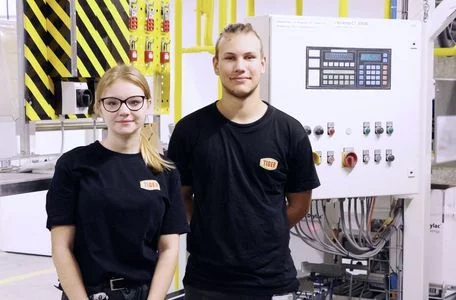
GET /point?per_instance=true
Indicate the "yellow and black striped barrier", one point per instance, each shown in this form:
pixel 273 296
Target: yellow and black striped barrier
pixel 102 39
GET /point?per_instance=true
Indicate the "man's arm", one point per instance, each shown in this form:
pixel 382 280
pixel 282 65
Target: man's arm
pixel 298 206
pixel 187 193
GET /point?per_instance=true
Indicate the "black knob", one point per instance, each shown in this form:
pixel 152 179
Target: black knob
pixel 379 130
pixel 318 130
pixel 83 98
pixel 308 130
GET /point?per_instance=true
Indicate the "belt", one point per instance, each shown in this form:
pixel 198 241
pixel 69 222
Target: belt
pixel 116 284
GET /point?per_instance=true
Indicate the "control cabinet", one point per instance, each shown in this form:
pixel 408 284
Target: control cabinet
pixel 354 85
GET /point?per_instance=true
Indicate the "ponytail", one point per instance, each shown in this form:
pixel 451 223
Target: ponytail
pixel 149 145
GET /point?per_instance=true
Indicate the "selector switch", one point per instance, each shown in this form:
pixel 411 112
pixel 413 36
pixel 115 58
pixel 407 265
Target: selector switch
pixel 389 128
pixel 318 130
pixel 377 156
pixel 366 128
pixel 366 156
pixel 330 157
pixel 389 155
pixel 331 129
pixel 308 130
pixel 378 128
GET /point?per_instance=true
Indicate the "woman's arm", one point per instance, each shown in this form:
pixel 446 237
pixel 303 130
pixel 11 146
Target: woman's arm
pixel 168 249
pixel 62 239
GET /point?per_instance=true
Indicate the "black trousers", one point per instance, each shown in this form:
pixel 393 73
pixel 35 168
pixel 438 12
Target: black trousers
pixel 192 293
pixel 136 293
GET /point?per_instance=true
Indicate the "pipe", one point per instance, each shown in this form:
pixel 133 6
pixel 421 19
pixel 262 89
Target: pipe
pixel 250 8
pixel 450 51
pixel 387 9
pixel 76 124
pixel 343 8
pixel 393 9
pixel 233 11
pixel 299 7
pixel 178 61
pixel 198 49
pixel 198 22
pixel 209 11
pixel 222 14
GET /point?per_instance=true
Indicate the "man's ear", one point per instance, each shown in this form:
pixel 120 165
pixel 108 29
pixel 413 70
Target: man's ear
pixel 263 64
pixel 215 65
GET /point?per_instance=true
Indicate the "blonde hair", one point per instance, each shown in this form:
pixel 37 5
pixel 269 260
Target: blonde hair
pixel 149 141
pixel 235 29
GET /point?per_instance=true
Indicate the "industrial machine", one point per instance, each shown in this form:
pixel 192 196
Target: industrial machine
pixel 351 82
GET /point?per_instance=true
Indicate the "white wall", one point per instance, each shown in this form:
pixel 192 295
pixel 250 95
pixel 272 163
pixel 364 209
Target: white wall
pixel 199 81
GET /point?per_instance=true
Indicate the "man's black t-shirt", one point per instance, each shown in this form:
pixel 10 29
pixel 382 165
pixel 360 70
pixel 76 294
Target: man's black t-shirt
pixel 119 206
pixel 239 174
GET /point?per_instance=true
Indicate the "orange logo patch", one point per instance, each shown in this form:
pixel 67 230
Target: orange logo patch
pixel 269 163
pixel 150 185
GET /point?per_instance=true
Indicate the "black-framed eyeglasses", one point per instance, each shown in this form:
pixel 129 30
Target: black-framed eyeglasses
pixel 113 104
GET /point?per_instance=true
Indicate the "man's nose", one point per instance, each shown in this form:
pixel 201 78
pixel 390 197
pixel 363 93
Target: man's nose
pixel 240 64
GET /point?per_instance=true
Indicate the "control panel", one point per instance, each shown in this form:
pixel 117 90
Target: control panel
pixel 356 95
pixel 348 68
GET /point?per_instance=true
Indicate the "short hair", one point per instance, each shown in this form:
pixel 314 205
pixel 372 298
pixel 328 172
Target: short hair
pixel 236 28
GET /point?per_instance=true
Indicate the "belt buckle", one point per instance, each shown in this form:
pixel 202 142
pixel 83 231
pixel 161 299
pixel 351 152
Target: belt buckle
pixel 111 284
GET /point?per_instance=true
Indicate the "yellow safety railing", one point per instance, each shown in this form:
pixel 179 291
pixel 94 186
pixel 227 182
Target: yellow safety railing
pixel 250 8
pixel 343 8
pixel 299 7
pixel 450 51
pixel 387 9
pixel 233 11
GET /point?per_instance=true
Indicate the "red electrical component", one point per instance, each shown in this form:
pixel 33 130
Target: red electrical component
pixel 150 21
pixel 165 17
pixel 349 160
pixel 164 57
pixel 164 53
pixel 133 55
pixel 148 53
pixel 133 18
pixel 132 52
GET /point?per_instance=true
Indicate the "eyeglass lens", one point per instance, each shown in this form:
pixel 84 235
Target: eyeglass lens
pixel 133 103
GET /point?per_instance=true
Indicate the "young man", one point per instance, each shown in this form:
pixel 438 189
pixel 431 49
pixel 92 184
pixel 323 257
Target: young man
pixel 247 176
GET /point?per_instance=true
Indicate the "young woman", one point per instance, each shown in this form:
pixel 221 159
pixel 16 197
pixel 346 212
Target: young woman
pixel 114 207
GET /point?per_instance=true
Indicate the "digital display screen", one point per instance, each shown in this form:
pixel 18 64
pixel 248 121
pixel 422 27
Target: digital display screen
pixel 344 56
pixel 371 57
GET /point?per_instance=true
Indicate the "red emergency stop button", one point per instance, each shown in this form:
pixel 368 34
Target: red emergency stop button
pixel 350 159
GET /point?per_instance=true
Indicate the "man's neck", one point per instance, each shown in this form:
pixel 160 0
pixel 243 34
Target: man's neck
pixel 242 111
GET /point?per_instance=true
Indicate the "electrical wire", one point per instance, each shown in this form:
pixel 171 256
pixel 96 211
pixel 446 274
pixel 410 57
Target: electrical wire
pixel 365 246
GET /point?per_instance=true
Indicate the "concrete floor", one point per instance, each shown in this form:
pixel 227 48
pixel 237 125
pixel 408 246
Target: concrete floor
pixel 27 277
